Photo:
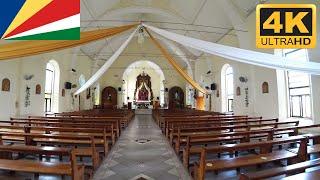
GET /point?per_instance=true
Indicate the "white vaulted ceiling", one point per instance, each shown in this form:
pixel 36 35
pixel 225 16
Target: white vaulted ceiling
pixel 203 19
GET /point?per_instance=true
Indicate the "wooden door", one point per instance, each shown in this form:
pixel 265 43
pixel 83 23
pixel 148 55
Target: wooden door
pixel 176 98
pixel 109 98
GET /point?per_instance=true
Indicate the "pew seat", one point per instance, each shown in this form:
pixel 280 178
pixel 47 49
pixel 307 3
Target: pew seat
pixel 66 141
pixel 313 175
pixel 250 160
pixel 291 169
pixel 266 155
pixel 310 149
pixel 36 167
pixel 39 167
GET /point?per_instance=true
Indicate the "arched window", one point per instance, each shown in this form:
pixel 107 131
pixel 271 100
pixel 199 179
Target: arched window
pixel 299 86
pixel 52 87
pixel 227 88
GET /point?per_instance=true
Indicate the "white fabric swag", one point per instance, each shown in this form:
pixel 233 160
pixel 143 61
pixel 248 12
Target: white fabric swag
pixel 106 65
pixel 241 55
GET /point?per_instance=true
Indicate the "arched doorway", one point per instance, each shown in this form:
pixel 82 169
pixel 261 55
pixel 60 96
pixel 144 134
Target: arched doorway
pixel 109 98
pixel 52 87
pixel 227 88
pixel 176 98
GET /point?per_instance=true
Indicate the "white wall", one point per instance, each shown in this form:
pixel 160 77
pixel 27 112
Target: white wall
pixel 15 70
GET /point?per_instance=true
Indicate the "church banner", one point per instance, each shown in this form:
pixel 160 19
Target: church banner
pixel 241 55
pixel 29 48
pixel 106 65
pixel 176 66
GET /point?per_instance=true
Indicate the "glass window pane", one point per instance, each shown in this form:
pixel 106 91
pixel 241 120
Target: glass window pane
pixel 229 88
pixel 49 81
pixel 49 86
pixel 299 91
pixel 299 86
pixel 295 103
pixel 307 105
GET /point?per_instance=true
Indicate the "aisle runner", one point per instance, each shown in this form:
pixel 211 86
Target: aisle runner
pixel 142 152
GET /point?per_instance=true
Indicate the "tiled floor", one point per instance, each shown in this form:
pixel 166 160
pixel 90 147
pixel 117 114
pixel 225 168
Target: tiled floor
pixel 142 152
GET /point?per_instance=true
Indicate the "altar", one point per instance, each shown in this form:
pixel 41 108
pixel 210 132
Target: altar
pixel 143 104
pixel 143 94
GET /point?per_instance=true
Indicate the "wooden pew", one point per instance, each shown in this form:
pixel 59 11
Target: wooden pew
pixel 71 127
pixel 115 125
pixel 32 139
pixel 312 175
pixel 201 139
pixel 121 121
pixel 193 141
pixel 210 123
pixel 58 168
pixel 266 155
pixel 164 124
pixel 97 130
pixel 286 170
pixel 184 132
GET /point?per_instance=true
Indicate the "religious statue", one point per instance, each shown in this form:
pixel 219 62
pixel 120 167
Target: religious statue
pixel 176 96
pixel 143 94
pixel 143 88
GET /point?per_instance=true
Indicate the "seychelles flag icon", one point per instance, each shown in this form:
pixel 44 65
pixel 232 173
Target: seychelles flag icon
pixel 40 19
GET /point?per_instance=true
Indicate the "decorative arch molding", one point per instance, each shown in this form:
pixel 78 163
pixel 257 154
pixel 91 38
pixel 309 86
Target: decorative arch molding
pixel 154 66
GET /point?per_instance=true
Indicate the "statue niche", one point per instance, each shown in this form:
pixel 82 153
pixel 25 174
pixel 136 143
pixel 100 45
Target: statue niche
pixel 143 91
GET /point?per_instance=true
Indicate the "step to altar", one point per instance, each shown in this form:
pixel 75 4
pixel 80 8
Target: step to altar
pixel 143 111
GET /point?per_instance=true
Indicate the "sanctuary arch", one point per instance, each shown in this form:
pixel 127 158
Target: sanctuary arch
pixel 143 82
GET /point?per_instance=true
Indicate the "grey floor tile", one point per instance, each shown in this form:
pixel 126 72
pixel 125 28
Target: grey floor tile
pixel 154 158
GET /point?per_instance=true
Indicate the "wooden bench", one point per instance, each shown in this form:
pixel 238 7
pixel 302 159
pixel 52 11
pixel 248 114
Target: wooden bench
pixel 193 141
pixel 96 131
pixel 61 139
pixel 114 125
pixel 165 123
pixel 58 168
pixel 175 138
pixel 210 123
pixel 266 155
pixel 287 170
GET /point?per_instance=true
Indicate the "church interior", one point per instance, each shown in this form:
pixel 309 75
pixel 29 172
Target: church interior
pixel 161 90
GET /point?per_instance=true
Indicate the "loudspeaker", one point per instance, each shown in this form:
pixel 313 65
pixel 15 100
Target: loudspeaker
pixel 166 89
pixel 119 89
pixel 213 86
pixel 67 85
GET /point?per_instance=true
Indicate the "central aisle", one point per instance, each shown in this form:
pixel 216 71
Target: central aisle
pixel 142 152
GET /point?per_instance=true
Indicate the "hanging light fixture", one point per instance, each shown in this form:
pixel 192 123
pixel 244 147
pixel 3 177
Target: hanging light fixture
pixel 141 36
